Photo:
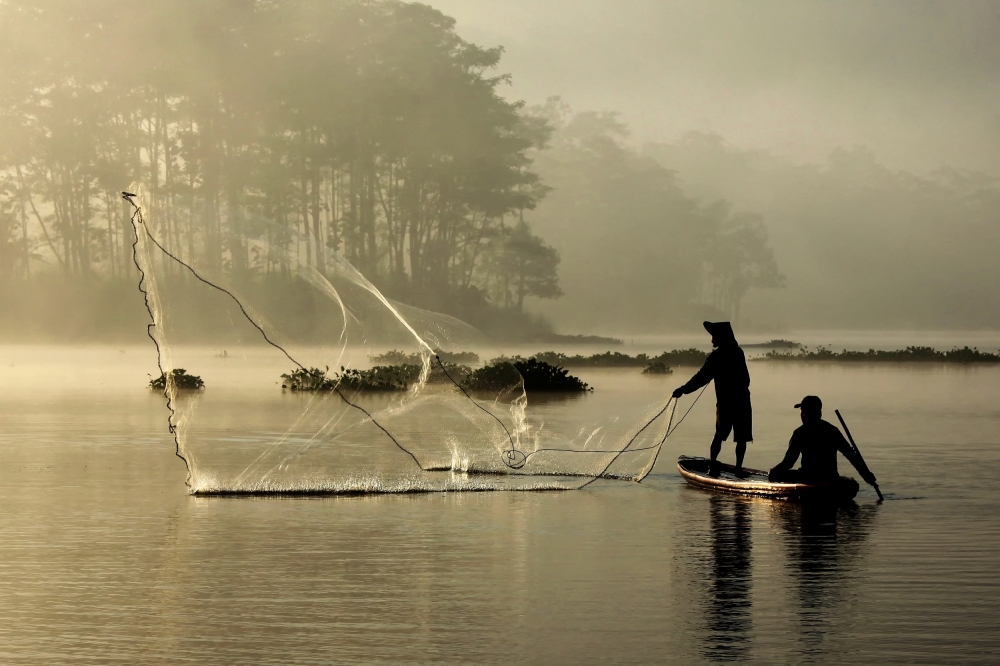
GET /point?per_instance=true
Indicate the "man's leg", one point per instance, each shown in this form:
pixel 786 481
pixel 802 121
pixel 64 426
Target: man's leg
pixel 741 450
pixel 716 448
pixel 714 451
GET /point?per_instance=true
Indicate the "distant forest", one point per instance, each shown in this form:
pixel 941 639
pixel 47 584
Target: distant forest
pixel 639 252
pixel 368 126
pixel 863 245
pixel 373 130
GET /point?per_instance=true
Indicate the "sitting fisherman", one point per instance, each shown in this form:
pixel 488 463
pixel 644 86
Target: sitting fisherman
pixel 727 365
pixel 818 442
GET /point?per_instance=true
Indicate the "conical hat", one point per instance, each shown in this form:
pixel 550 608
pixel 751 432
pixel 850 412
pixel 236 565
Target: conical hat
pixel 722 331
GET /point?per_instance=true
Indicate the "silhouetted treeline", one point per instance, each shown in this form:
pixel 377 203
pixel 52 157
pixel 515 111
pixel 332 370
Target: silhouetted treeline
pixel 638 252
pixel 862 245
pixel 369 127
pixel 366 126
pixel 965 355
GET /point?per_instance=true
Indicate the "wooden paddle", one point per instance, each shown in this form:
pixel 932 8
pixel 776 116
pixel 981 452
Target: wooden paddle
pixel 857 450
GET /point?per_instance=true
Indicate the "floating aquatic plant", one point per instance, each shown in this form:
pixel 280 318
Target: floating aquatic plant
pixel 180 379
pixel 537 375
pixel 379 378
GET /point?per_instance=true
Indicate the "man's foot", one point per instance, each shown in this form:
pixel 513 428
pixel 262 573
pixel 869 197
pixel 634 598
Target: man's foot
pixel 741 473
pixel 714 469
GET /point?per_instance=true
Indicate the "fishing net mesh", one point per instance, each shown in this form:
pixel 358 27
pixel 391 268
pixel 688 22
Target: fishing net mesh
pixel 244 307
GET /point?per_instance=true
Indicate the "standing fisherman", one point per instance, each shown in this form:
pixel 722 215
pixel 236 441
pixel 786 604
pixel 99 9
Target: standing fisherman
pixel 727 365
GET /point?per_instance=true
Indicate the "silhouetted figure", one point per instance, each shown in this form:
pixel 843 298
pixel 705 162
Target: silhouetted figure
pixel 727 366
pixel 817 441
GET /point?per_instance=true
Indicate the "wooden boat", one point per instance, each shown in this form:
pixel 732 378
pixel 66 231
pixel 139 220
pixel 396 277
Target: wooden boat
pixel 754 482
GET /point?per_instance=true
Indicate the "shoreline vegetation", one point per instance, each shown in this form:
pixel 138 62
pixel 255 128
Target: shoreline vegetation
pixel 396 357
pixel 613 359
pixel 774 344
pixel 547 371
pixel 53 310
pixel 780 351
pixel 499 375
pixel 963 355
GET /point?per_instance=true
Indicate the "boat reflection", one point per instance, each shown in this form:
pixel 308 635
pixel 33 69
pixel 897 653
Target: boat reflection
pixel 728 613
pixel 824 553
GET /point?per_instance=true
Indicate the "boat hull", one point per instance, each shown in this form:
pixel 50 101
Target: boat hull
pixel 754 482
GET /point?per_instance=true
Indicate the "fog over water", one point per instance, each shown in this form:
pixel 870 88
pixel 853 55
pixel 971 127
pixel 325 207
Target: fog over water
pixel 865 136
pixel 914 81
pixel 394 254
pixel 588 167
pixel 102 541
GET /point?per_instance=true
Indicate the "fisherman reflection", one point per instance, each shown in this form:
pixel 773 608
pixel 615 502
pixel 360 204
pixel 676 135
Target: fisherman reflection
pixel 728 614
pixel 825 551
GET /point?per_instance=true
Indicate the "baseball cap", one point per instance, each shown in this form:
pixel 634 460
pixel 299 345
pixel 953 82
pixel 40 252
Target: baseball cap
pixel 810 402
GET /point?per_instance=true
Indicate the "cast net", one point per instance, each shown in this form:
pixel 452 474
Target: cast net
pixel 314 382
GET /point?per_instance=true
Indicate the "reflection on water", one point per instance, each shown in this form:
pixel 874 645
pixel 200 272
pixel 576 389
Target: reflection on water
pixel 820 547
pixel 729 604
pixel 824 547
pixel 106 559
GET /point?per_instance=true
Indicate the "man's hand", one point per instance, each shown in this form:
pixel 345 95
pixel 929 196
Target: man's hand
pixel 869 478
pixel 678 392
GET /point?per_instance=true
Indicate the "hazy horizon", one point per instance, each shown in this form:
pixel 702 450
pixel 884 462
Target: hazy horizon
pixel 914 81
pixel 577 167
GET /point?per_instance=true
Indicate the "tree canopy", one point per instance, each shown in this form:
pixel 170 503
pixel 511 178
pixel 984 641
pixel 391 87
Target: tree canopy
pixel 636 248
pixel 370 129
pixel 369 126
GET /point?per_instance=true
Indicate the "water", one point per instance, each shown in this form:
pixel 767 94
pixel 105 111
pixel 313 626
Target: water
pixel 105 559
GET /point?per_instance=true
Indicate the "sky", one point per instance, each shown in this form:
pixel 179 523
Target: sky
pixel 917 82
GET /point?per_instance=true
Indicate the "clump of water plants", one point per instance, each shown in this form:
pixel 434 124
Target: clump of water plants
pixel 308 379
pixel 965 355
pixel 443 373
pixel 180 379
pixel 657 368
pixel 497 375
pixel 502 373
pixel 379 378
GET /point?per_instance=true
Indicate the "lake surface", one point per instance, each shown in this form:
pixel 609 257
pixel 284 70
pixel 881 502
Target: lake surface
pixel 105 557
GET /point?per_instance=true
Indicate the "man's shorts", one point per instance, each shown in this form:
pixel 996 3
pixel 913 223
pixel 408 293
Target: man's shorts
pixel 736 419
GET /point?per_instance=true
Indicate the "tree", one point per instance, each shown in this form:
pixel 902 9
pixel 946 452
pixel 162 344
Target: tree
pixel 738 258
pixel 526 266
pixel 369 127
pixel 12 252
pixel 639 251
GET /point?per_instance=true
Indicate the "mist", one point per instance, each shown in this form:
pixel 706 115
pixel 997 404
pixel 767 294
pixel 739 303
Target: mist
pixel 913 81
pixel 866 137
pixel 534 169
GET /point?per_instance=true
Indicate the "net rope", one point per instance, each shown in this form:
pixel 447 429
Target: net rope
pixel 468 435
